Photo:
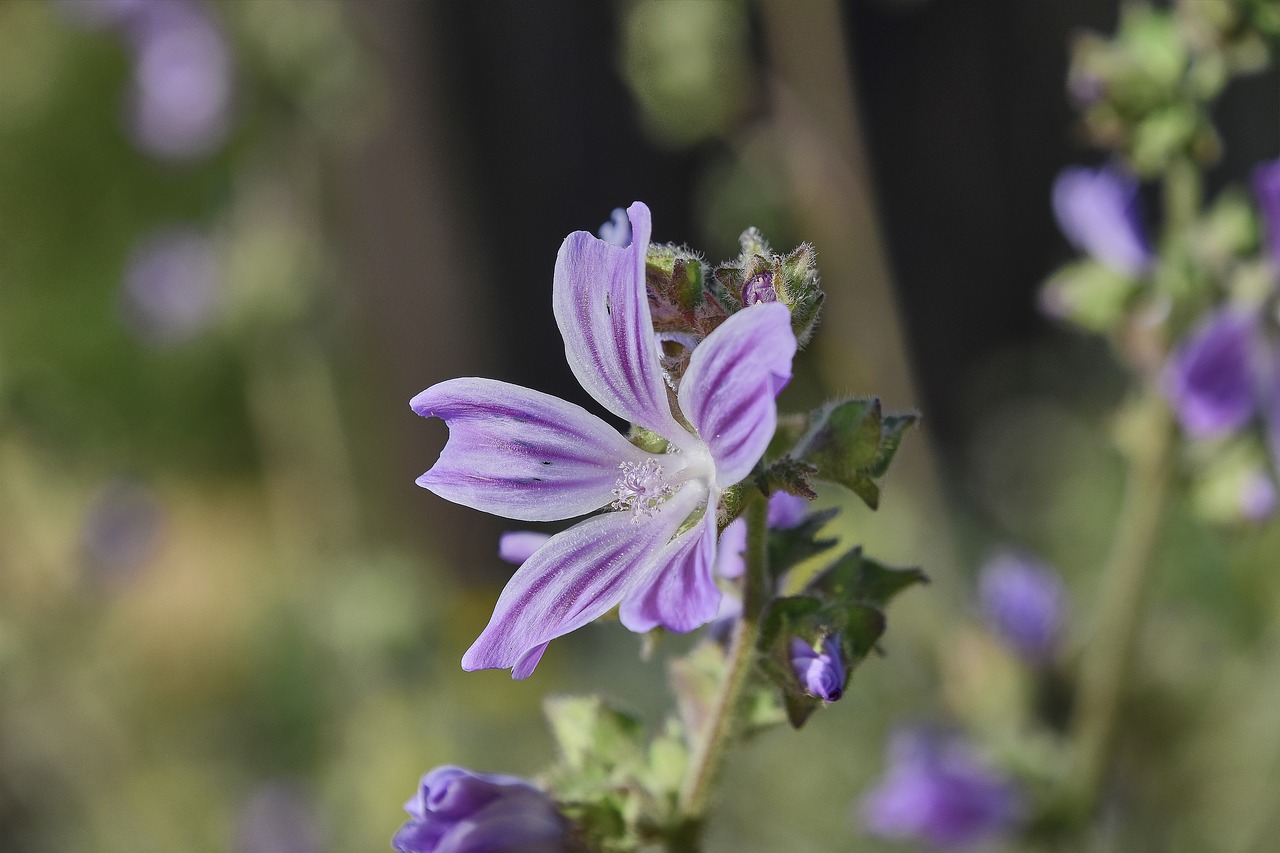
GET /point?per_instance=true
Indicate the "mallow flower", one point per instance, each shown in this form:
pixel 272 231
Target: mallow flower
pixel 1210 379
pixel 1023 601
pixel 528 456
pixel 458 811
pixel 937 790
pixel 1097 210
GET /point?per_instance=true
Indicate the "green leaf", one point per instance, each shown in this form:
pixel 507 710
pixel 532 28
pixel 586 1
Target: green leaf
pixel 695 678
pixel 852 442
pixel 855 578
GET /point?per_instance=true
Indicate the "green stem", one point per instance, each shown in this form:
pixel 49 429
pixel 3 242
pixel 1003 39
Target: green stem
pixel 1109 655
pixel 709 750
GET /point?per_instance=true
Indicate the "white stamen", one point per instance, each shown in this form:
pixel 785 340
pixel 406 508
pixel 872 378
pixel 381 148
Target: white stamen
pixel 642 488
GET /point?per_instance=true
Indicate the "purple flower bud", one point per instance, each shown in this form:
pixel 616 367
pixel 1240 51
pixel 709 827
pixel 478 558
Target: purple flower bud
pixel 278 819
pixel 1097 210
pixel 458 811
pixel 121 530
pixel 181 98
pixel 1266 184
pixel 759 288
pixel 171 281
pixel 821 673
pixel 937 790
pixel 1257 496
pixel 1209 379
pixel 1022 599
pixel 786 511
pixel 617 231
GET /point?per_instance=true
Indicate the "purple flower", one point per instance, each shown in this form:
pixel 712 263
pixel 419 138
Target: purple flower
pixel 1097 210
pixel 180 102
pixel 1266 185
pixel 122 529
pixel 278 819
pixel 457 811
pixel 617 231
pixel 822 672
pixel 1210 378
pixel 936 790
pixel 529 456
pixel 170 285
pixel 1023 600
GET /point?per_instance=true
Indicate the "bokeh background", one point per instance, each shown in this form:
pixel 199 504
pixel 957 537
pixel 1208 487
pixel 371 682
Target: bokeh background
pixel 236 237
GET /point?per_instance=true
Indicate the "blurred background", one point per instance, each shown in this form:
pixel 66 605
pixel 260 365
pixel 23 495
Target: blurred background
pixel 235 239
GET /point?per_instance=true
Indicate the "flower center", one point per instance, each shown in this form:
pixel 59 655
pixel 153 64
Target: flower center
pixel 641 488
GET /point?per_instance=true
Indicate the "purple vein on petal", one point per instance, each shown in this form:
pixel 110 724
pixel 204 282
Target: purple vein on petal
pixel 602 309
pixel 520 453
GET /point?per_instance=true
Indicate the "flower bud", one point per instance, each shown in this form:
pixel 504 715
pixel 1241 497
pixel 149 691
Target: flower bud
pixel 459 811
pixel 1022 601
pixel 821 672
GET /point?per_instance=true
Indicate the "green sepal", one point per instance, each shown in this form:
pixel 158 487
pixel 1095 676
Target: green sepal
pixel 852 442
pixel 1090 295
pixel 788 475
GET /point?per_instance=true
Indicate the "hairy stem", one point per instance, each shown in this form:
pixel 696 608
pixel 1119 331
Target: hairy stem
pixel 1109 655
pixel 712 742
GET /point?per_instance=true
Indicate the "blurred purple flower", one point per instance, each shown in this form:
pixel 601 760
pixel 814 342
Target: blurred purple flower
pixel 525 455
pixel 458 811
pixel 170 286
pixel 786 511
pixel 121 530
pixel 822 673
pixel 278 819
pixel 1097 210
pixel 1210 379
pixel 617 231
pixel 1023 600
pixel 516 546
pixel 180 103
pixel 936 790
pixel 1257 496
pixel 1266 185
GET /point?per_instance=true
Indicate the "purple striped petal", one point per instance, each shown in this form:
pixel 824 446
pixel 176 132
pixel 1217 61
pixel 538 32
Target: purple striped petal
pixel 578 576
pixel 602 308
pixel 681 594
pixel 729 389
pixel 520 453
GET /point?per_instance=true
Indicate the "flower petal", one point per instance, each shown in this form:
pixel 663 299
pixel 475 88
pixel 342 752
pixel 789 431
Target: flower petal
pixel 602 308
pixel 680 594
pixel 729 389
pixel 516 546
pixel 578 576
pixel 520 453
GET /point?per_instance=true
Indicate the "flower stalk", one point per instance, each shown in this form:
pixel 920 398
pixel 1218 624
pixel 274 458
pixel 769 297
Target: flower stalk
pixel 712 743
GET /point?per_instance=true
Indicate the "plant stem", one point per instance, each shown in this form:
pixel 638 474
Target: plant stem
pixel 1110 653
pixel 709 750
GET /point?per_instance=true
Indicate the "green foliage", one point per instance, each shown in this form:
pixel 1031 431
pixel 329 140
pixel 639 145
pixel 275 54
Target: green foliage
pixel 619 790
pixel 852 442
pixel 847 600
